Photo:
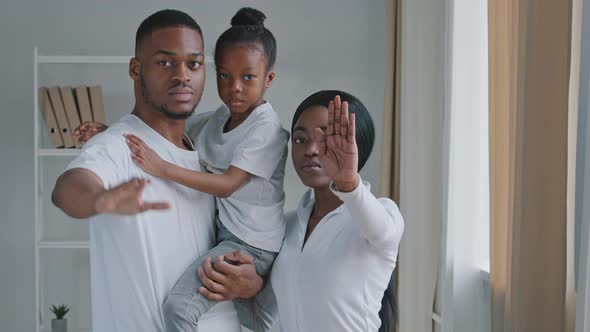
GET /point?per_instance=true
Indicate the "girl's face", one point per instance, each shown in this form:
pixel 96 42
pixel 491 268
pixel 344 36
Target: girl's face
pixel 305 153
pixel 242 77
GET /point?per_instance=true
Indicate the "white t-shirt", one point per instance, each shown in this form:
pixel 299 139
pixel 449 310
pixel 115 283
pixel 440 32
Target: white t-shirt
pixel 253 213
pixel 136 260
pixel 335 282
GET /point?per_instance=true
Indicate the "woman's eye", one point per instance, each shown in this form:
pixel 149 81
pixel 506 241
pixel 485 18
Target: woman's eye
pixel 248 77
pixel 223 76
pixel 298 140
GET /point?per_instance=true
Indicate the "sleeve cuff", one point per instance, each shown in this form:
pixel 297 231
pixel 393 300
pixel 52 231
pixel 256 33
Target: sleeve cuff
pixel 348 195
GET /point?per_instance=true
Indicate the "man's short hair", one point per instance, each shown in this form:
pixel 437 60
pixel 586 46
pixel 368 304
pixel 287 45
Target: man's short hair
pixel 164 19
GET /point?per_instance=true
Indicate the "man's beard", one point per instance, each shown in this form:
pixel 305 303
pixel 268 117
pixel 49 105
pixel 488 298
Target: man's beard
pixel 164 108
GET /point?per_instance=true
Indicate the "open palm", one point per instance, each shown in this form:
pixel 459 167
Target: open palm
pixel 338 144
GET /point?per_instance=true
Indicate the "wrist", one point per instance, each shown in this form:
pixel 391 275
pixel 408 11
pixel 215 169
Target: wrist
pixel 348 185
pixel 102 203
pixel 166 170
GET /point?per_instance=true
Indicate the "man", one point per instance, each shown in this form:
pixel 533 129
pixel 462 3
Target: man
pixel 144 231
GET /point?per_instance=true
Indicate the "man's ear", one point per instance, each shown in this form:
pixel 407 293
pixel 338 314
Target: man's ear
pixel 134 69
pixel 270 76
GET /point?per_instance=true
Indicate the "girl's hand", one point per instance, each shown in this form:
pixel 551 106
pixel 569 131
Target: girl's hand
pixel 145 157
pixel 87 130
pixel 337 147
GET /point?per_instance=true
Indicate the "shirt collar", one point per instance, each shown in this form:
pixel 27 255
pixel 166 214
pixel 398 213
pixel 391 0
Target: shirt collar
pixel 305 207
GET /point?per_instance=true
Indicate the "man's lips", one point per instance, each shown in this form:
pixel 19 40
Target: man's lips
pixel 181 94
pixel 311 166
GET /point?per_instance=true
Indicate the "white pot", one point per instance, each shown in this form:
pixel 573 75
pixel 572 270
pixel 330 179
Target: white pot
pixel 59 325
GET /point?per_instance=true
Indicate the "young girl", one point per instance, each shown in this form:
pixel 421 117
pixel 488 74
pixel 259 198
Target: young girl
pixel 243 149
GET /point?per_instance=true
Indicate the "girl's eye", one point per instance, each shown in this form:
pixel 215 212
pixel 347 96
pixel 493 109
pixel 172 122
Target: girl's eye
pixel 298 140
pixel 248 77
pixel 223 76
pixel 164 63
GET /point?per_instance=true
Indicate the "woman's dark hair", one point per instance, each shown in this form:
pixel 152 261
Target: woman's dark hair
pixel 365 131
pixel 365 137
pixel 247 26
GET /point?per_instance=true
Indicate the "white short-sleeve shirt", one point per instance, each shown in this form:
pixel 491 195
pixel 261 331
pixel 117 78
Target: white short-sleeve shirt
pixel 254 213
pixel 136 260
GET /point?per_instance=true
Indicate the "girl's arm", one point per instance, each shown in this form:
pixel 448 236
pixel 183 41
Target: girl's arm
pixel 87 130
pixel 220 185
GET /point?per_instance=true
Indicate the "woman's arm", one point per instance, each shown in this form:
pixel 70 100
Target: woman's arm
pixel 220 185
pixel 379 220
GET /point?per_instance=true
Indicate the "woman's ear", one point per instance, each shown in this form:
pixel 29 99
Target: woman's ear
pixel 270 76
pixel 134 69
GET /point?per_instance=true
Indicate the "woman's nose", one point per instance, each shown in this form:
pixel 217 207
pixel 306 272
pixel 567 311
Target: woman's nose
pixel 311 147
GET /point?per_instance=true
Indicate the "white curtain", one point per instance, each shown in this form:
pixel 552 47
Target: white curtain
pixel 421 108
pixel 464 302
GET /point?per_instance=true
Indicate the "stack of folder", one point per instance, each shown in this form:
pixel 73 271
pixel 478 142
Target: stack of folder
pixel 65 108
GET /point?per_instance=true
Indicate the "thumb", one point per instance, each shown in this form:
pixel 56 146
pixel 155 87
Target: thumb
pixel 240 257
pixel 320 138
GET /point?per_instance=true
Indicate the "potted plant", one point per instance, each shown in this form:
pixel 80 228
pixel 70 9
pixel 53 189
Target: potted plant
pixel 59 323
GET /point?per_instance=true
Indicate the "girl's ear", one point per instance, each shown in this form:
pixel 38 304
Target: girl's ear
pixel 134 68
pixel 270 76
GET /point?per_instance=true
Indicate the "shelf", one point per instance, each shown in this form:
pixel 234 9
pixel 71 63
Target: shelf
pixel 83 59
pixel 59 152
pixel 64 244
pixel 91 59
pixel 70 329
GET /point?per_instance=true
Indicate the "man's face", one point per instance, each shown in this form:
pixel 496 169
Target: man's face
pixel 170 71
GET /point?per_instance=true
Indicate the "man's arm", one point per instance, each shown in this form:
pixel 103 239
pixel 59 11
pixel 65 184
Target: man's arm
pixel 80 193
pixel 255 302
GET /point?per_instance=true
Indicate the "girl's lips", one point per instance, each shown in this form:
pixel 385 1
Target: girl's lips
pixel 235 103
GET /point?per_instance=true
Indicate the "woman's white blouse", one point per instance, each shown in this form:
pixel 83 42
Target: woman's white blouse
pixel 335 282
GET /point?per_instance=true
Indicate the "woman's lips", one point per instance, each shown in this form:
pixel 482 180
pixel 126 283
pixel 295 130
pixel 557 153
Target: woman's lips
pixel 311 166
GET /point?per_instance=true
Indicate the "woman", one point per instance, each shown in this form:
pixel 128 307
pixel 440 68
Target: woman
pixel 341 243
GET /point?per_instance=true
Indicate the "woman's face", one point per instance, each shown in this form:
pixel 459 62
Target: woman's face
pixel 304 153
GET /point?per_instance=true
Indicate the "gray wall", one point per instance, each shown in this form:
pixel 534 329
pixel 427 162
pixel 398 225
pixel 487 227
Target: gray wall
pixel 322 44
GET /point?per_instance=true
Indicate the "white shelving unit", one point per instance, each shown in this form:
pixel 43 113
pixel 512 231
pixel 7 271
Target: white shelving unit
pixel 45 246
pixel 41 245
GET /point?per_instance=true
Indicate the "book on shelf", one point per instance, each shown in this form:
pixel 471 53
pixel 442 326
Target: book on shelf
pixel 67 96
pixel 60 116
pixel 65 108
pixel 49 119
pixel 83 103
pixel 97 104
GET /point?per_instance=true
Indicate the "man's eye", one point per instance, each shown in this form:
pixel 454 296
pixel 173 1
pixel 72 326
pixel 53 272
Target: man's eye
pixel 165 63
pixel 298 140
pixel 194 65
pixel 248 77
